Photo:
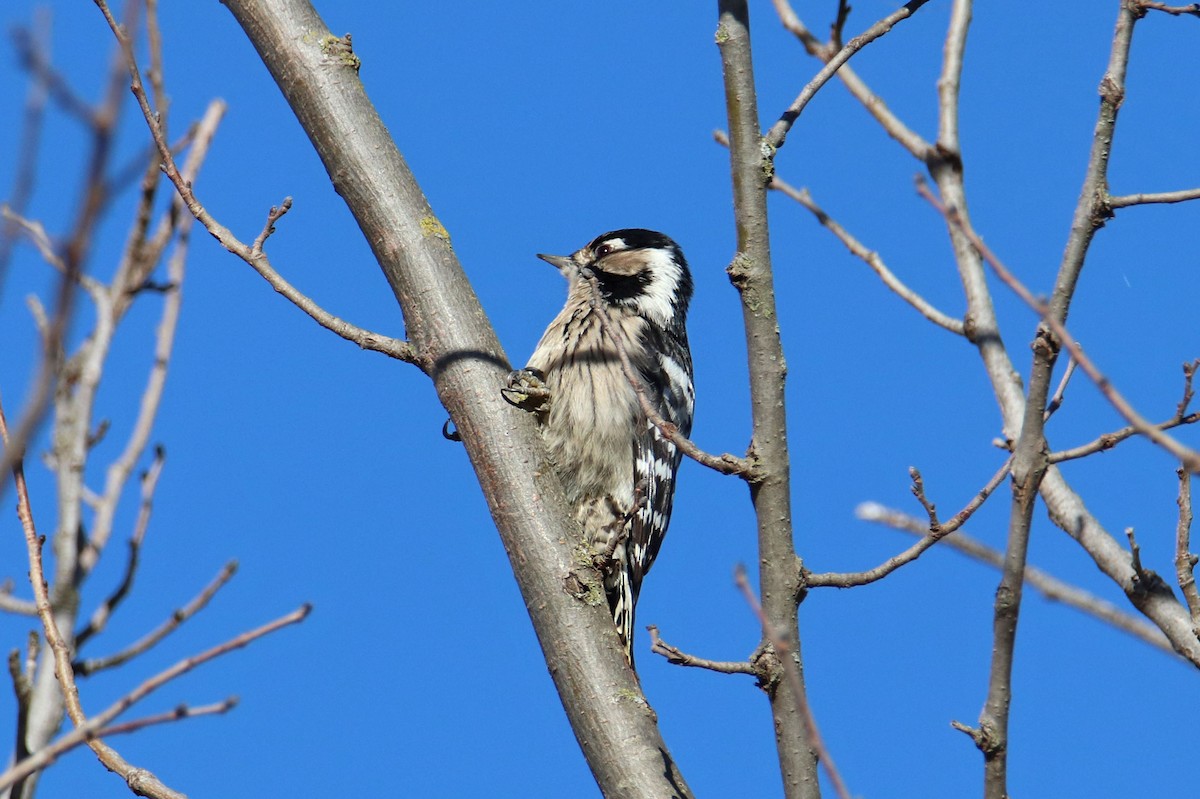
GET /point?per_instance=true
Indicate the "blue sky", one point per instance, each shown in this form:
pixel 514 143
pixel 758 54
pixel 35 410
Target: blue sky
pixel 322 469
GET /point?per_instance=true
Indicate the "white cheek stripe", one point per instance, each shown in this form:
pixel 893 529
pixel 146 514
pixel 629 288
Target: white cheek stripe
pixel 657 301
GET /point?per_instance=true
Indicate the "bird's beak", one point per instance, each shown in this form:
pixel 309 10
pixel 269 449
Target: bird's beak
pixel 564 263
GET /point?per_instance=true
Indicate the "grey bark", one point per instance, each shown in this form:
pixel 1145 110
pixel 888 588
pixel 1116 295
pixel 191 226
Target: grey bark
pixel 457 347
pixel 750 272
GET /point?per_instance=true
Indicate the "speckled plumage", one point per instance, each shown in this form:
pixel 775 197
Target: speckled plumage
pixel 616 466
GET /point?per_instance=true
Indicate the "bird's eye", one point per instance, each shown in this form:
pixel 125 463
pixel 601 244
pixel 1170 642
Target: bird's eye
pixel 603 250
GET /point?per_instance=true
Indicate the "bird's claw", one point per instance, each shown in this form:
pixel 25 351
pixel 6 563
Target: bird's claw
pixel 526 389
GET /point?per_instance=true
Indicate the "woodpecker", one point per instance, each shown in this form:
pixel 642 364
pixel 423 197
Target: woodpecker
pixel 617 467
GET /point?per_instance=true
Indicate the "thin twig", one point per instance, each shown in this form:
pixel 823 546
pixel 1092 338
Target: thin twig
pixel 776 136
pixel 873 103
pixel 839 24
pixel 930 535
pixel 1110 440
pixel 1191 8
pixel 177 618
pixel 791 671
pixel 680 658
pixel 258 260
pixel 91 727
pixel 49 754
pixel 1128 200
pixel 176 714
pixel 918 490
pixel 1059 393
pixel 1046 584
pixel 105 610
pixel 1189 457
pixel 868 256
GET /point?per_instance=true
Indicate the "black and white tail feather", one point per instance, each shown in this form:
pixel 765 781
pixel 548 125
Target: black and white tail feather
pixel 617 467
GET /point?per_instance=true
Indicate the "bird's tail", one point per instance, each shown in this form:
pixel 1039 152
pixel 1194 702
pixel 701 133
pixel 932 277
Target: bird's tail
pixel 623 602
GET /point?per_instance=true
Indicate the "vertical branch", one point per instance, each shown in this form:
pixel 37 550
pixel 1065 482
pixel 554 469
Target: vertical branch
pixel 751 273
pixel 1185 561
pixel 1030 462
pixel 1092 209
pixel 944 162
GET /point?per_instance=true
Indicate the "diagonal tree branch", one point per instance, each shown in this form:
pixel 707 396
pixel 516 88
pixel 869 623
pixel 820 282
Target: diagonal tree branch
pixel 933 533
pixel 177 618
pixel 1052 320
pixel 873 103
pixel 452 340
pixel 870 258
pixel 1046 584
pixel 147 783
pixel 776 136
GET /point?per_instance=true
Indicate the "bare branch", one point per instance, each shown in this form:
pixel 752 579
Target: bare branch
pixel 256 258
pixel 49 754
pixel 680 658
pixel 1185 561
pixel 950 81
pixel 776 136
pixel 788 660
pixel 1110 440
pixel 752 274
pixel 1191 8
pixel 874 105
pixel 1128 200
pixel 102 613
pixel 918 491
pixel 870 257
pixel 930 535
pixel 1189 457
pixel 1046 584
pixel 86 667
pixel 179 713
pixel 141 781
pixel 839 24
pixel 1057 400
pixel 393 347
